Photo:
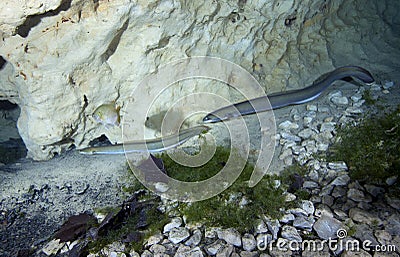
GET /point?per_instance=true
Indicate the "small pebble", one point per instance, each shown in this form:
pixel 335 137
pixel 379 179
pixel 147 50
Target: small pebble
pixel 388 84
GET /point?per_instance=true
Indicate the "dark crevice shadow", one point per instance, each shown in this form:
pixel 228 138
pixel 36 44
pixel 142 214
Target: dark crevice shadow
pixel 7 105
pixel 100 141
pixel 112 47
pixel 32 21
pixel 2 62
pixel 12 149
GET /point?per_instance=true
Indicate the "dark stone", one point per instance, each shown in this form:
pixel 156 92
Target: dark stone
pixel 74 227
pixel 364 232
pixel 296 183
pixel 393 225
pixel 153 170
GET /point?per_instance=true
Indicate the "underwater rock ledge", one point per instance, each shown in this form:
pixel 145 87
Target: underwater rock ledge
pixel 79 55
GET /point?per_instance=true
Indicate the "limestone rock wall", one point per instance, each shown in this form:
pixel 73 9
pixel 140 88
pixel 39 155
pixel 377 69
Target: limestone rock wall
pixel 63 59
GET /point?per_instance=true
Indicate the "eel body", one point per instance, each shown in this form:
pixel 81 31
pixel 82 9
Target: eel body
pixel 151 145
pixel 292 97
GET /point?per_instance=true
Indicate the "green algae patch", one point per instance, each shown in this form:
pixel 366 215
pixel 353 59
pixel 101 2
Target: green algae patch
pixel 239 205
pixel 370 149
pixel 192 174
pixel 368 97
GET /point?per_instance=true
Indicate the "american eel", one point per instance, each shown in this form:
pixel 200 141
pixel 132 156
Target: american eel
pixel 151 145
pixel 291 97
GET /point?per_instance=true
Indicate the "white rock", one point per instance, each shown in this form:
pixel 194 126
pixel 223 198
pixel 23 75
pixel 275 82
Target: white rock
pixel 298 212
pixel 353 110
pixel 288 161
pixel 307 206
pixel 329 119
pixel 261 227
pixel 302 222
pixel 342 180
pixel 323 137
pixel 375 87
pixel 285 153
pixel 288 144
pixel 225 251
pixel 276 183
pixel 154 239
pixel 133 253
pixel 175 222
pixel 327 227
pixel 294 113
pixel 185 251
pixel 310 184
pixel 341 214
pixel 323 109
pixel 287 125
pixel 356 107
pixel 323 210
pixel 211 232
pixel 311 107
pixel 289 197
pixel 388 84
pixel 52 247
pixel 322 146
pixel 287 218
pixel 212 249
pixel 356 97
pixel 15 13
pixel 298 149
pixel 290 233
pixel 115 249
pixel 146 253
pixel 290 137
pixel 161 187
pixel 328 127
pixel 195 239
pixel 296 117
pixel 157 249
pixel 177 235
pixel 249 242
pixel 306 133
pixel 231 236
pixel 337 165
pixel 313 174
pixel 335 93
pixel 307 121
pixel 311 148
pixel 273 227
pixel 391 180
pixel 340 100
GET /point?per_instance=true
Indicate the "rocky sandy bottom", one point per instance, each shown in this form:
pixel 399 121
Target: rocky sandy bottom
pixel 37 197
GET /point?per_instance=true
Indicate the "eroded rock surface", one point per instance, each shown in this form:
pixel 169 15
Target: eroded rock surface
pixel 63 59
